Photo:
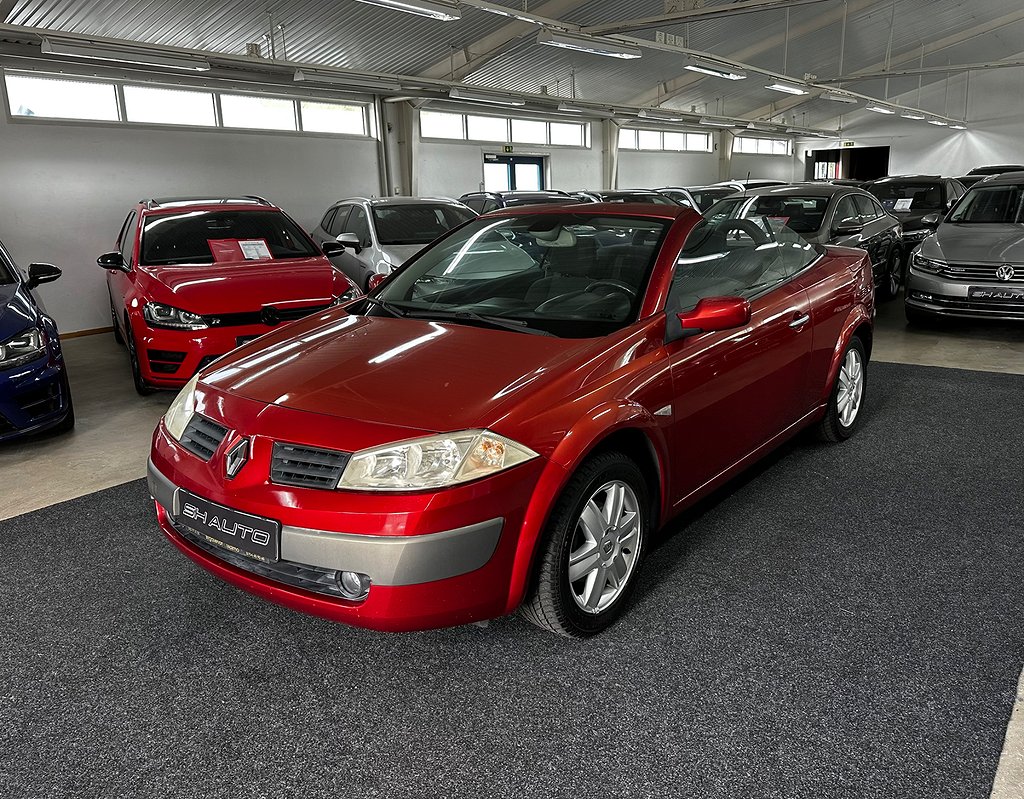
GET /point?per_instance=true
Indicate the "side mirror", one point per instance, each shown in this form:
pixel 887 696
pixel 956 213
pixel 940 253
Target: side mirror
pixel 112 260
pixel 931 221
pixel 848 227
pixel 350 240
pixel 41 273
pixel 332 248
pixel 711 314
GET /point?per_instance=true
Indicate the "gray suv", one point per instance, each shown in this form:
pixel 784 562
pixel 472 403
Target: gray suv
pixel 381 234
pixel 828 214
pixel 973 264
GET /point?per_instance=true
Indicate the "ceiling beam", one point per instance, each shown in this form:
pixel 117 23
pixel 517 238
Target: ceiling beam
pixel 952 40
pixel 669 89
pixel 694 15
pixel 468 58
pixel 903 73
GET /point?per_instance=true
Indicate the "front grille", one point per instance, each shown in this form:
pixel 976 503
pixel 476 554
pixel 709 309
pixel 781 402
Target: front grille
pixel 202 436
pixel 297 575
pixel 268 315
pixel 40 402
pixel 982 273
pixel 165 362
pixel 307 467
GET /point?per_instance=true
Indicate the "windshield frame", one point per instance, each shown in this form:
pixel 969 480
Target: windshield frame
pixel 396 291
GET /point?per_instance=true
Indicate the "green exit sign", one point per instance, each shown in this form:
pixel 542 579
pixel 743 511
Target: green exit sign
pixel 508 148
pixel 849 144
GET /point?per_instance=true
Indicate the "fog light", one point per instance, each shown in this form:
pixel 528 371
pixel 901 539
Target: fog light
pixel 353 585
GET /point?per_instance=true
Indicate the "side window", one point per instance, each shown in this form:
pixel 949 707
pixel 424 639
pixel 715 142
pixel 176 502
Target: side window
pixel 846 210
pixel 865 208
pixel 879 210
pixel 338 221
pixel 490 205
pixel 358 224
pixel 476 203
pixel 127 239
pixel 735 258
pixel 325 223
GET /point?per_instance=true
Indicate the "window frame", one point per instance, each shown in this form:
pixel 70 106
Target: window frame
pixel 586 132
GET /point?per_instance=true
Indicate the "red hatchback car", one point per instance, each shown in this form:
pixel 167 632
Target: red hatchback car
pixel 509 417
pixel 193 279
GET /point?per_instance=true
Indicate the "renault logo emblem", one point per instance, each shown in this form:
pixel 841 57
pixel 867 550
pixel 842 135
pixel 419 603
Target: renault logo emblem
pixel 236 458
pixel 1005 272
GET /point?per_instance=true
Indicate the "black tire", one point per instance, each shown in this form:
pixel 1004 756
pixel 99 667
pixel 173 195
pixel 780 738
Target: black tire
pixel 141 386
pixel 550 603
pixel 113 321
pixel 890 285
pixel 832 428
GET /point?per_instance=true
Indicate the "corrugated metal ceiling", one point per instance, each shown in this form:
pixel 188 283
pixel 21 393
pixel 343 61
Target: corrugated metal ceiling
pixel 348 34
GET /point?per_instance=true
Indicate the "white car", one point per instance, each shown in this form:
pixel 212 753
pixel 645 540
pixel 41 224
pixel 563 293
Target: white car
pixel 381 234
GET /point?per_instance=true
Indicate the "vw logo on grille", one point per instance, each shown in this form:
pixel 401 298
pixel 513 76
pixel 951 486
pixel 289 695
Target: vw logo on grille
pixel 236 458
pixel 1005 272
pixel 269 316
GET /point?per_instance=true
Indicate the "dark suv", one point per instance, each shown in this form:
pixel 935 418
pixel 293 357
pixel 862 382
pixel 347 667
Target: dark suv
pixel 486 201
pixel 910 198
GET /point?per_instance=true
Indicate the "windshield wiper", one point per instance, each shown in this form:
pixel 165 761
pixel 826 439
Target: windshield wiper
pixel 494 321
pixel 394 310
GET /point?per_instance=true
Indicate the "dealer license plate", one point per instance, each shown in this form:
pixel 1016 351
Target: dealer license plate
pixel 1008 294
pixel 243 533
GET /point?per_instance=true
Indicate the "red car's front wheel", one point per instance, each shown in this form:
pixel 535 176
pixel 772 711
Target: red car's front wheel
pixel 594 546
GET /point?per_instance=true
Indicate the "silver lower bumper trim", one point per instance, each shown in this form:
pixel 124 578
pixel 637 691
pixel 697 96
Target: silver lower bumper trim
pixel 388 560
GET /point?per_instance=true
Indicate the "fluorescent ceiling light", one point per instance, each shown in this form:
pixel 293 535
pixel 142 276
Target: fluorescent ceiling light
pixel 783 87
pixel 716 70
pixel 938 122
pixel 569 108
pixel 660 116
pixel 759 126
pixel 716 123
pixel 911 115
pixel 587 44
pixel 839 97
pixel 477 97
pixel 102 52
pixel 958 126
pixel 354 81
pixel 435 9
pixel 878 109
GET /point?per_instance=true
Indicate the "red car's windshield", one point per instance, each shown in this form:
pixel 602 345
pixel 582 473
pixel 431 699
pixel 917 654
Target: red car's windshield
pixel 204 237
pixel 567 274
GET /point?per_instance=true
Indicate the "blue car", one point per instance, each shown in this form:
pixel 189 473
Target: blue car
pixel 34 392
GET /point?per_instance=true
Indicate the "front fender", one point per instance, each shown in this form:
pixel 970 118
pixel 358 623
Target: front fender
pixel 857 318
pixel 578 443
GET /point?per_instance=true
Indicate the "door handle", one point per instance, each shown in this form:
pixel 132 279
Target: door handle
pixel 800 320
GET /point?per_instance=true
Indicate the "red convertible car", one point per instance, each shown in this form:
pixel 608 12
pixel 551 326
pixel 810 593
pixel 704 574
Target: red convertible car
pixel 509 417
pixel 192 279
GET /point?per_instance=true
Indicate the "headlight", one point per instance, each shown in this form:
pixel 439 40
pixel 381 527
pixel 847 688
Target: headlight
pixel 181 410
pixel 159 315
pixel 927 264
pixel 22 348
pixel 351 294
pixel 433 462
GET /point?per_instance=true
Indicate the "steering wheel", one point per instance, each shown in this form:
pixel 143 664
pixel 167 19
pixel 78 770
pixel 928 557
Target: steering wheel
pixel 752 229
pixel 614 284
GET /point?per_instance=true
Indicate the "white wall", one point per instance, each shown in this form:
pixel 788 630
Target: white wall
pixel 772 167
pixel 451 169
pixel 652 170
pixel 995 134
pixel 68 187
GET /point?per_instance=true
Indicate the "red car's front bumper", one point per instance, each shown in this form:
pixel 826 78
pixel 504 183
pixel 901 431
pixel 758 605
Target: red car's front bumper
pixel 169 358
pixel 434 559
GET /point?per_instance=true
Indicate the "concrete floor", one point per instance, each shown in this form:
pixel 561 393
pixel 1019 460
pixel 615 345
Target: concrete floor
pixel 111 441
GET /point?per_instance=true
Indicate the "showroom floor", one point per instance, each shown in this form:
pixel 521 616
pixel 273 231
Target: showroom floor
pixel 797 684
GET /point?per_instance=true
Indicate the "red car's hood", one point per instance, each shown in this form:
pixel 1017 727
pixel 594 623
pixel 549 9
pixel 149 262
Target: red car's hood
pixel 238 286
pixel 424 375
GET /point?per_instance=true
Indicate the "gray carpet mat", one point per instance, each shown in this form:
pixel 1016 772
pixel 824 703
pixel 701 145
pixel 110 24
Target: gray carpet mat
pixel 844 621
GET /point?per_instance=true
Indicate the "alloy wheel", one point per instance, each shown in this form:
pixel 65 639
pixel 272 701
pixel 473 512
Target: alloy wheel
pixel 851 387
pixel 604 547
